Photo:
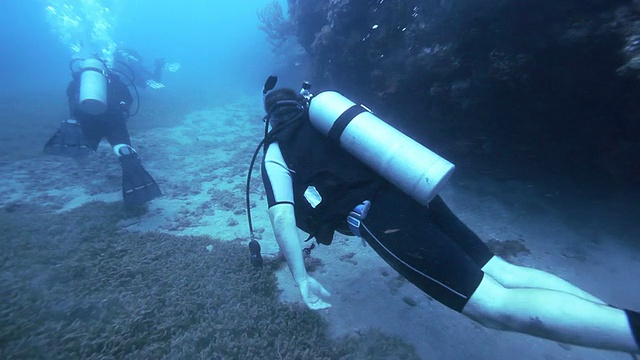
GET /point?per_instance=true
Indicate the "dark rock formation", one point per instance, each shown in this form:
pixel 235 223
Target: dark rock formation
pixel 494 85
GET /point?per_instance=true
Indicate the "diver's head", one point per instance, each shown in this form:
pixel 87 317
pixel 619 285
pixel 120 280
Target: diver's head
pixel 282 105
pixel 277 97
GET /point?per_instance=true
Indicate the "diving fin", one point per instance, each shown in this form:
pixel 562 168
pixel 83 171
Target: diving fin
pixel 69 141
pixel 154 84
pixel 138 187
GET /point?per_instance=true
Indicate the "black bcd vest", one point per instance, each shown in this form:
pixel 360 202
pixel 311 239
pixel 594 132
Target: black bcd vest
pixel 341 180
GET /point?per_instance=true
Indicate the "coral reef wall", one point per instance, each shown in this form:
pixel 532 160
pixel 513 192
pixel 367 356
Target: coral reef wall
pixel 541 82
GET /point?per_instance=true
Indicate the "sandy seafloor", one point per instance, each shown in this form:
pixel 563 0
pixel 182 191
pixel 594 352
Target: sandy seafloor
pixel 199 153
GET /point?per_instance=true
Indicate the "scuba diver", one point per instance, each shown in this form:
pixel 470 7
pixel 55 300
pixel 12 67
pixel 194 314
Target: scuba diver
pixel 331 165
pixel 142 76
pixel 99 104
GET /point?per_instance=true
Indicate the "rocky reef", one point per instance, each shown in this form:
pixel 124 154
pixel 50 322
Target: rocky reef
pixel 491 84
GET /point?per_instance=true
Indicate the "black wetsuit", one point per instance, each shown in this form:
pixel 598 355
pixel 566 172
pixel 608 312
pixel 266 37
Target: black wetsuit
pixel 429 246
pixel 111 124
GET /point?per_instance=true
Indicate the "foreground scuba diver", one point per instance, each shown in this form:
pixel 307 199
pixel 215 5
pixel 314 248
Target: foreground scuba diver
pixel 313 183
pixel 99 104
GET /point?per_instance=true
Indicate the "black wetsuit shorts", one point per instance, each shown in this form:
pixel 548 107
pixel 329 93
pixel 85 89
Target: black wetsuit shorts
pixel 114 129
pixel 429 246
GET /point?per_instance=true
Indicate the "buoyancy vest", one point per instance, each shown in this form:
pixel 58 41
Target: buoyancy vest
pixel 340 179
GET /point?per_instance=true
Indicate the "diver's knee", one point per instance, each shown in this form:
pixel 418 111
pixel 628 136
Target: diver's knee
pixel 503 271
pixel 485 306
pixel 495 265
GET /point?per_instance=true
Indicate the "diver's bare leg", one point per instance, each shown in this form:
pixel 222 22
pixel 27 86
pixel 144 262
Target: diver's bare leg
pixel 552 315
pixel 513 276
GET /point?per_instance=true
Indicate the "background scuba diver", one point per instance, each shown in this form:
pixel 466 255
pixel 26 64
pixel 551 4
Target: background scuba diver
pixel 142 76
pixel 313 184
pixel 99 104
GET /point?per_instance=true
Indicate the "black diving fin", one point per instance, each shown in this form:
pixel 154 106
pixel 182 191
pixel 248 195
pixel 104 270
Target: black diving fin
pixel 70 141
pixel 138 187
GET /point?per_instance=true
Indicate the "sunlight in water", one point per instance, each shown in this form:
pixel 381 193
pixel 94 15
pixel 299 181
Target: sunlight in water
pixel 84 26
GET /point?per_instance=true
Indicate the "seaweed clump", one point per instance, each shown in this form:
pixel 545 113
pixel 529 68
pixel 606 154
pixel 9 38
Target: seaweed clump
pixel 75 285
pixel 508 249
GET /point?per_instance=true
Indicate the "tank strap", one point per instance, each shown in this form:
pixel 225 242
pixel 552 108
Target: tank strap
pixel 355 217
pixel 343 120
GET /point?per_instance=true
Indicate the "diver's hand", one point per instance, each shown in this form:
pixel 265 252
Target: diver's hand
pixel 310 288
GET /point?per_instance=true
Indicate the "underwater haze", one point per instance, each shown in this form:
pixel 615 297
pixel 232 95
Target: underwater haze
pixel 217 43
pixel 536 104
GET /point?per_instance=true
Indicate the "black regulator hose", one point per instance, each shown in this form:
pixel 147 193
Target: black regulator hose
pixel 132 84
pixel 254 246
pixel 135 90
pixel 72 63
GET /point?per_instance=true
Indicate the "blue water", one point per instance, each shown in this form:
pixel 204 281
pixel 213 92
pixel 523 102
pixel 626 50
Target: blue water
pixel 219 46
pixel 217 43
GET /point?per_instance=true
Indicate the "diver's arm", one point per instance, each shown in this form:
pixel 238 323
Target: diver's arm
pixel 284 227
pixel 285 230
pixel 279 188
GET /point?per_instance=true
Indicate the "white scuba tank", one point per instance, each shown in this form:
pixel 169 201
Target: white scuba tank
pixel 93 87
pixel 413 168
